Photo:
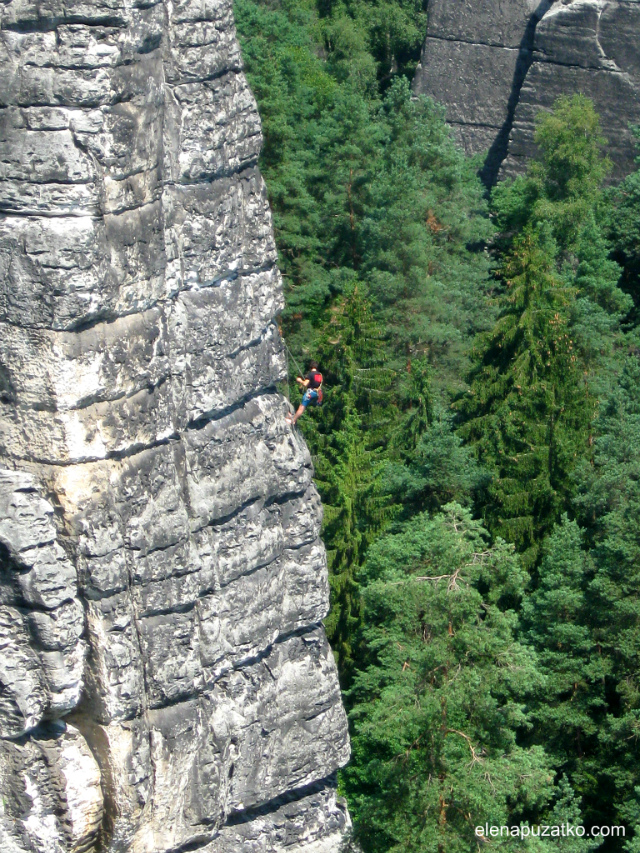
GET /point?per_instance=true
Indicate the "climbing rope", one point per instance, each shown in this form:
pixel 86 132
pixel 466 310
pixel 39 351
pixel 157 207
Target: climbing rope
pixel 290 355
pixel 298 368
pixel 286 359
pixel 301 372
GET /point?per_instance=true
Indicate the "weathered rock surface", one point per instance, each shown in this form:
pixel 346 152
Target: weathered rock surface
pixel 41 618
pixel 165 681
pixel 495 64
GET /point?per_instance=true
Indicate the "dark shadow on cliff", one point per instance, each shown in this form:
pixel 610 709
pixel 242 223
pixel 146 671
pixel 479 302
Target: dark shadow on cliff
pixel 498 151
pixel 292 796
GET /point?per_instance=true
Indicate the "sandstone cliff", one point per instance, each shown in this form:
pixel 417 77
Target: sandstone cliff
pixel 495 63
pixel 165 682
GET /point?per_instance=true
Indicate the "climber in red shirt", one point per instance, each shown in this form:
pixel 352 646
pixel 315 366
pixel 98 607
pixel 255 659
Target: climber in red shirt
pixel 312 383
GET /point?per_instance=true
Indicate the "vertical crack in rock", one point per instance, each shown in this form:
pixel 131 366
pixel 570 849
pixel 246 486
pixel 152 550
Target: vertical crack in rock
pixel 166 682
pixel 495 65
pixel 499 149
pixel 586 46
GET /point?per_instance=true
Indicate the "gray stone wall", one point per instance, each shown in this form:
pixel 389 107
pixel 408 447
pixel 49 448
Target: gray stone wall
pixel 495 63
pixel 166 682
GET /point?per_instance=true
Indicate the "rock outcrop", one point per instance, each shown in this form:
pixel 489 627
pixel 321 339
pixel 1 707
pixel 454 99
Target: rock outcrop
pixel 166 683
pixel 495 64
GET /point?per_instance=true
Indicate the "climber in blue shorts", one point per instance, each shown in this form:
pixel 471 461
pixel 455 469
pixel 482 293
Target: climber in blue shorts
pixel 312 383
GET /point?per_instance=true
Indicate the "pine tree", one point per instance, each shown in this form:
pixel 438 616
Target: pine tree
pixel 436 710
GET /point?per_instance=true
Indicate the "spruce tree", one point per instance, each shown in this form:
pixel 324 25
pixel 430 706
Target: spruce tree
pixel 437 470
pixel 533 392
pixel 528 410
pixel 347 440
pixel 556 617
pixel 600 305
pixel 609 506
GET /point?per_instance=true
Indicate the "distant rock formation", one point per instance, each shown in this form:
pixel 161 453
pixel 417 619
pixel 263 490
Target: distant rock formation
pixel 165 681
pixel 495 63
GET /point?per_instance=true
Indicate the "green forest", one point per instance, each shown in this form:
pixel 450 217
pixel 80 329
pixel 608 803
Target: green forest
pixel 478 449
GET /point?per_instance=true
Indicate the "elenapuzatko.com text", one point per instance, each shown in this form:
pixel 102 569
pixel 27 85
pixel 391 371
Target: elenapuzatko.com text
pixel 566 830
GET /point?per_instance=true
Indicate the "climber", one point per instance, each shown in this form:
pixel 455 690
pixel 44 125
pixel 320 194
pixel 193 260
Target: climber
pixel 312 383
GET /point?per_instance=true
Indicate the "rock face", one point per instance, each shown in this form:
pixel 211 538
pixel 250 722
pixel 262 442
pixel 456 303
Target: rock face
pixel 166 683
pixel 495 63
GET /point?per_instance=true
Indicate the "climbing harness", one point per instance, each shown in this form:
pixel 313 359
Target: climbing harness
pixel 319 396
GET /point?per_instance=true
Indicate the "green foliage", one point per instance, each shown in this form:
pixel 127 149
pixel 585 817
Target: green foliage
pixel 609 504
pixel 438 470
pixel 600 305
pixel 390 32
pixel 367 188
pixel 624 230
pixel 570 142
pixel 294 90
pixel 566 811
pixel 436 710
pixel 556 616
pixel 532 398
pixel 528 410
pixel 363 183
pixel 348 478
pixel 426 208
pixel 349 457
pixel 563 185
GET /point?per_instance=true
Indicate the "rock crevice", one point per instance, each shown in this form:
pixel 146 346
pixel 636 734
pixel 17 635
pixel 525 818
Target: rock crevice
pixel 494 65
